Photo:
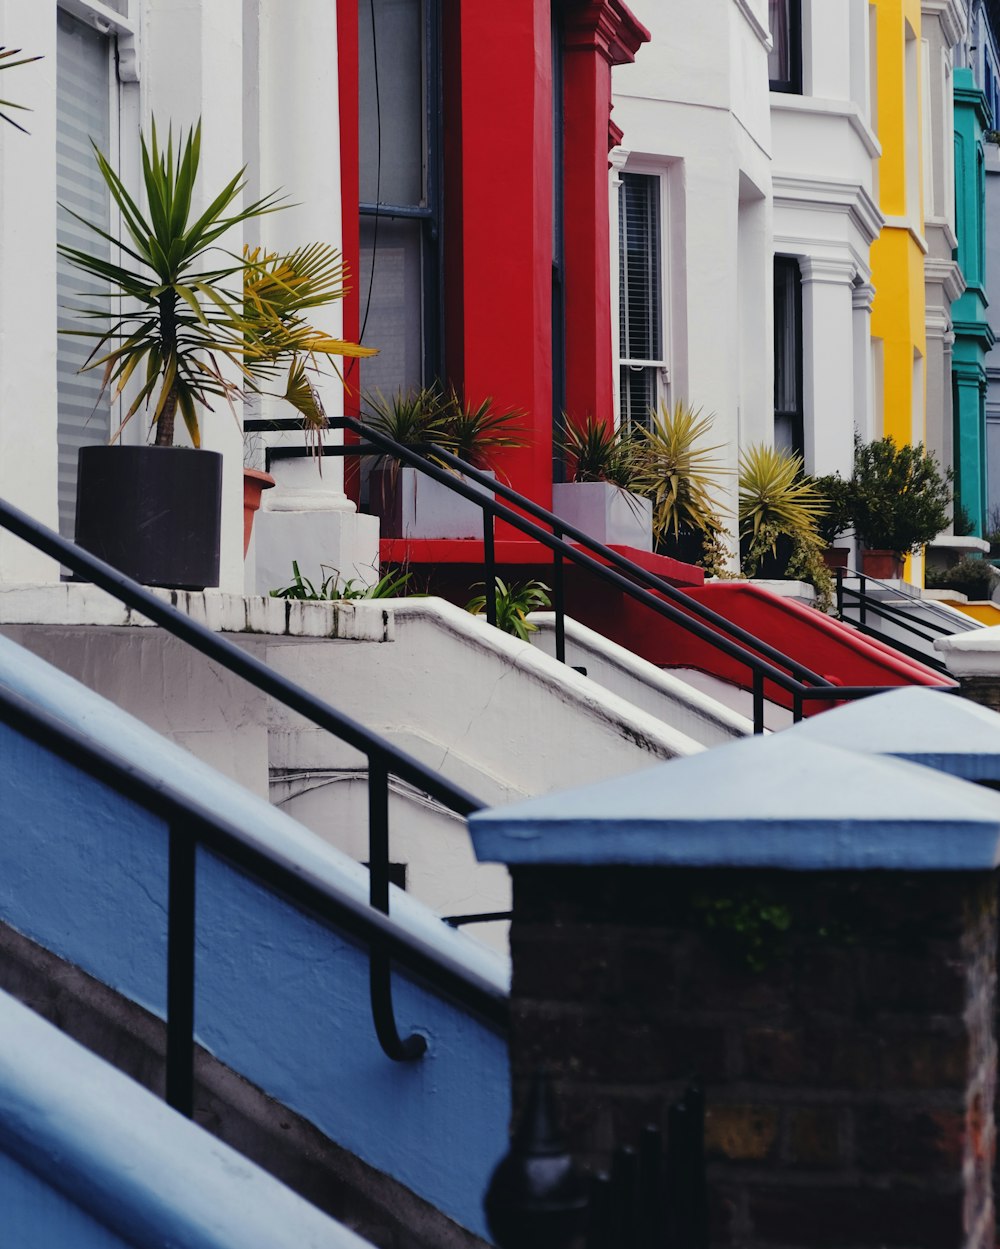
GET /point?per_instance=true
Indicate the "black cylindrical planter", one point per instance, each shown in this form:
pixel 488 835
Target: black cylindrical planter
pixel 155 513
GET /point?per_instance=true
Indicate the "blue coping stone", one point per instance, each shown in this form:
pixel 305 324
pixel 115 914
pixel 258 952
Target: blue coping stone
pixel 941 731
pixel 779 801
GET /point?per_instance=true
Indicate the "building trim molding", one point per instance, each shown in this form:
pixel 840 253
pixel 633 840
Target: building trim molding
pixel 760 30
pixel 951 15
pixel 946 274
pixel 831 195
pixel 825 269
pixel 605 26
pixel 818 107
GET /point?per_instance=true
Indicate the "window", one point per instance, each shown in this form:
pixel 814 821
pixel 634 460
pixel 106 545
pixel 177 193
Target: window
pixel 640 296
pixel 788 434
pixel 784 62
pixel 400 263
pixel 84 76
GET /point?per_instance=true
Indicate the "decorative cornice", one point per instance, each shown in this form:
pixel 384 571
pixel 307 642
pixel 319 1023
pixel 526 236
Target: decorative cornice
pixel 975 331
pixel 827 270
pixel 974 98
pixel 862 296
pixel 946 274
pixel 951 15
pixel 831 195
pixel 937 322
pixel 904 223
pixel 759 28
pixel 605 26
pixel 816 106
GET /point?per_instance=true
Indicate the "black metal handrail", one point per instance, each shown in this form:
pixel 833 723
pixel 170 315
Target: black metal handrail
pixel 867 605
pixel 763 661
pixel 190 825
pixel 384 759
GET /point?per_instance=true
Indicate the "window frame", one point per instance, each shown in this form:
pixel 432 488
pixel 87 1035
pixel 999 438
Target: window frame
pixel 657 364
pixel 792 85
pixel 795 416
pixel 430 214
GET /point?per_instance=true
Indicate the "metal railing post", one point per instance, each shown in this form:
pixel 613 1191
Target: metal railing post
pixel 490 566
pixel 758 701
pixel 180 970
pixel 840 592
pixel 559 599
pixel 400 1049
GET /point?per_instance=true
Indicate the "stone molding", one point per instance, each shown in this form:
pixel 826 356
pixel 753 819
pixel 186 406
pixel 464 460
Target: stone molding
pixel 831 195
pixel 946 273
pixel 825 270
pixel 863 296
pixel 605 26
pixel 952 17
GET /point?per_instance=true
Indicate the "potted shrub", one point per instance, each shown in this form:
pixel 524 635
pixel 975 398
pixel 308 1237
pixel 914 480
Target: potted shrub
pixel 836 519
pixel 600 498
pixel 779 512
pixel 679 474
pixel 410 504
pixel 186 333
pixel 972 576
pixel 899 500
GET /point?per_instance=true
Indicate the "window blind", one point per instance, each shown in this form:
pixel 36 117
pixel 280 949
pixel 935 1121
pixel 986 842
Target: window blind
pixel 83 94
pixel 639 303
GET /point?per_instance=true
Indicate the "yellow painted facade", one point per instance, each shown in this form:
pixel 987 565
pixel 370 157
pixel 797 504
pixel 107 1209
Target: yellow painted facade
pixel 897 257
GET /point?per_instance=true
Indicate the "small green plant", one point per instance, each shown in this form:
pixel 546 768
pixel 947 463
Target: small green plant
pixel 475 432
pixel 412 417
pixel 7 63
pixel 390 585
pixel 972 576
pixel 514 602
pixel 678 472
pixel 596 451
pixel 900 499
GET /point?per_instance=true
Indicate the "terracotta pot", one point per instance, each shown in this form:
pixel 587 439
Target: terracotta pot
pixel 835 557
pixel 883 565
pixel 254 484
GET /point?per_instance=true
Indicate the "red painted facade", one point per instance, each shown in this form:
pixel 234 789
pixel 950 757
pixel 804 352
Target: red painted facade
pixel 498 198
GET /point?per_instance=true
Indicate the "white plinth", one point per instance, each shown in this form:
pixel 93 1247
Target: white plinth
pixel 321 542
pixel 605 513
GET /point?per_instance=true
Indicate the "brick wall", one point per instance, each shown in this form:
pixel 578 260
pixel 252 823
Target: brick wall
pixel 849 1072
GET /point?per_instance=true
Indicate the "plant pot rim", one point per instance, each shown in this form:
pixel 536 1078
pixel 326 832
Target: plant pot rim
pixel 257 474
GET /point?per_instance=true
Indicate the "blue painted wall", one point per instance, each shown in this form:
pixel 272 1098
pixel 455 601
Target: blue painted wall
pixel 280 998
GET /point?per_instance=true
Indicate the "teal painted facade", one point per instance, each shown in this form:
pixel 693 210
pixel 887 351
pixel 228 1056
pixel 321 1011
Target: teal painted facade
pixel 973 335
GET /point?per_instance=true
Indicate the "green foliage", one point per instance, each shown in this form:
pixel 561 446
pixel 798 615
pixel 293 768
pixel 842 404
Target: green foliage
pixel 836 495
pixel 971 575
pixel 390 585
pixel 474 432
pixel 514 602
pixel 678 473
pixel 182 322
pixel 596 451
pixel 7 63
pixel 413 417
pixel 777 500
pixel 900 499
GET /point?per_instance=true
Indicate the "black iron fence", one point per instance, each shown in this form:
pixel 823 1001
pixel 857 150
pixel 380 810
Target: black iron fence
pixel 189 827
pixel 761 661
pixel 872 614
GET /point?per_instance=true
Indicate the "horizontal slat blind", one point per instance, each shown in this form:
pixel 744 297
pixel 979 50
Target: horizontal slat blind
pixel 640 329
pixel 82 113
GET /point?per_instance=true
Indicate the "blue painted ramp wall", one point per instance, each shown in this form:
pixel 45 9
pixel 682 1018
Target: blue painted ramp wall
pixel 280 998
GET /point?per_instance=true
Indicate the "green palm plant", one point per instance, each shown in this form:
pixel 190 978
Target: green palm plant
pixel 598 452
pixel 412 417
pixel 474 432
pixel 7 63
pixel 678 472
pixel 278 290
pixel 513 603
pixel 180 329
pixel 777 500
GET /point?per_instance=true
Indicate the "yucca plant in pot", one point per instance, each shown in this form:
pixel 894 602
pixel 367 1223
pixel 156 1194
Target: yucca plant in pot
pixel 408 502
pixel 780 509
pixel 677 470
pixel 173 328
pixel 599 494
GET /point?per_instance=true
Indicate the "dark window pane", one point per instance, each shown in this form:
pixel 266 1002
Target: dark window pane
pixel 787 353
pixel 785 57
pixel 638 394
pixel 639 273
pixel 395 312
pixel 395 120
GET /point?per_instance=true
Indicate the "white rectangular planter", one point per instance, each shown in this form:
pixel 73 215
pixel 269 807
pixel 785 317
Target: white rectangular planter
pixel 606 513
pixel 416 506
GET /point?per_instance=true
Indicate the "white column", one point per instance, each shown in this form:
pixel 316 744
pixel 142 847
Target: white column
pixel 193 67
pixel 864 418
pixel 28 401
pixel 307 517
pixel 827 363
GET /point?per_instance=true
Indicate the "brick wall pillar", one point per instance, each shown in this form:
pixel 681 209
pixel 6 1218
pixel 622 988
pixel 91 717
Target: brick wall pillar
pixel 849 1061
pixel 810 930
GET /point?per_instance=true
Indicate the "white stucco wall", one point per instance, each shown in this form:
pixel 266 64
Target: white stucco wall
pixel 694 109
pixel 187 63
pixel 826 216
